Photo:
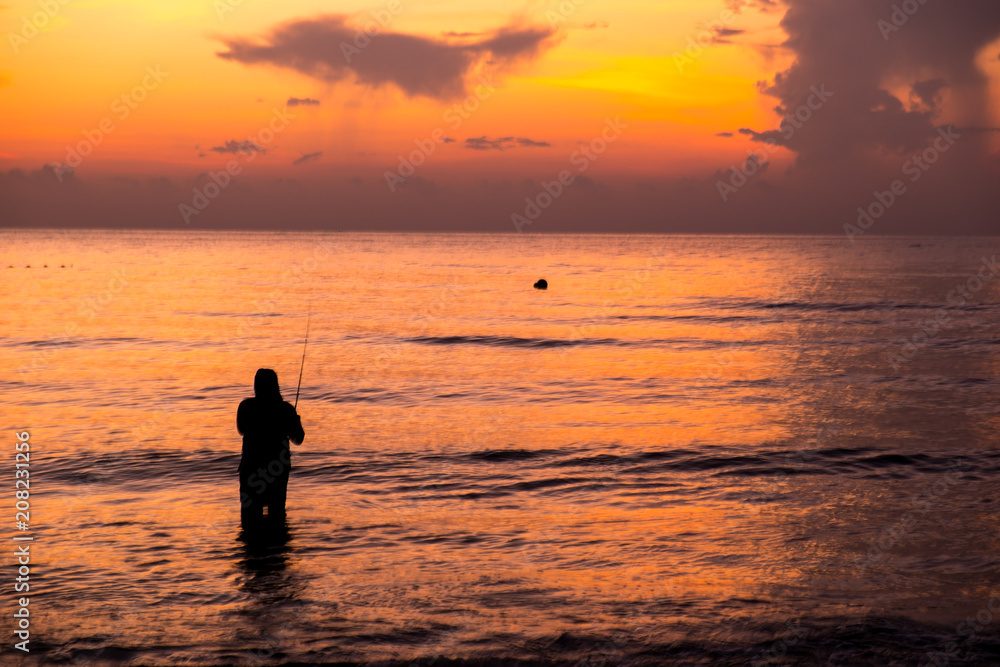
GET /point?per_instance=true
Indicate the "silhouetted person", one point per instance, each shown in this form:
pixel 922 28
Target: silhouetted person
pixel 267 423
pixel 542 284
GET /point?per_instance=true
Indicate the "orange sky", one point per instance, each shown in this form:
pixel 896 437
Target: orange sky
pixel 157 96
pixel 607 59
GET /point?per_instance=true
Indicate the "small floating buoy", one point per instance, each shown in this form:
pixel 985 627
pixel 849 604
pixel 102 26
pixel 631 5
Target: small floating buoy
pixel 28 266
pixel 542 284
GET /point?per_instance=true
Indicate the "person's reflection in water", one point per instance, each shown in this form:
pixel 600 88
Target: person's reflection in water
pixel 264 560
pixel 268 627
pixel 267 422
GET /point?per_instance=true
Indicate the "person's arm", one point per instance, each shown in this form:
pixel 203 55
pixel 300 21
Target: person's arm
pixel 295 432
pixel 241 417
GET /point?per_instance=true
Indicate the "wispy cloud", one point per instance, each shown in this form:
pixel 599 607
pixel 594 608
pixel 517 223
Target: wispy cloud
pixel 234 146
pixel 722 35
pixel 301 101
pixel 484 143
pixel 308 157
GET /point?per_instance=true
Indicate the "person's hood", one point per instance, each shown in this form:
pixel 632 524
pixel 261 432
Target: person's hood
pixel 265 385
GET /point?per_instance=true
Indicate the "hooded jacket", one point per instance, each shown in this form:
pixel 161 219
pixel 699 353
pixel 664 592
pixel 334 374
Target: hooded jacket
pixel 267 422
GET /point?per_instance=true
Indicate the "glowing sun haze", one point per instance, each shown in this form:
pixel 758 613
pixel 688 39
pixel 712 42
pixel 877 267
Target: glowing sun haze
pixel 117 112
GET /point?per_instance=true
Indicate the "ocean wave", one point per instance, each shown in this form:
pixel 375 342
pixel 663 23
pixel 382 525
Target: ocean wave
pixel 487 473
pixel 847 307
pixel 512 341
pixel 636 639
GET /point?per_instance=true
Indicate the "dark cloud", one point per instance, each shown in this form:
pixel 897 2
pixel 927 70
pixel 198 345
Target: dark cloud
pixel 977 130
pixel 847 47
pixel 308 157
pixel 325 48
pixel 929 92
pixel 789 203
pixel 503 143
pixel 233 146
pixel 887 96
pixel 724 134
pixel 722 35
pixel 774 136
pixel 486 144
pixel 57 171
pixel 763 6
pixel 301 101
pixel 753 165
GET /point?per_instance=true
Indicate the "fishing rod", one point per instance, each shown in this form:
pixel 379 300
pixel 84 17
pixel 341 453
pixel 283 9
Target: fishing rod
pixel 303 365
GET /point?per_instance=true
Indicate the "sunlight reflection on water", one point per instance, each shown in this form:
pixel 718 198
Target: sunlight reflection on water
pixel 683 438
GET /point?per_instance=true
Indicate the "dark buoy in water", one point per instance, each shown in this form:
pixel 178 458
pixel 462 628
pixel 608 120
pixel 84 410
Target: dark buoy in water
pixel 542 284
